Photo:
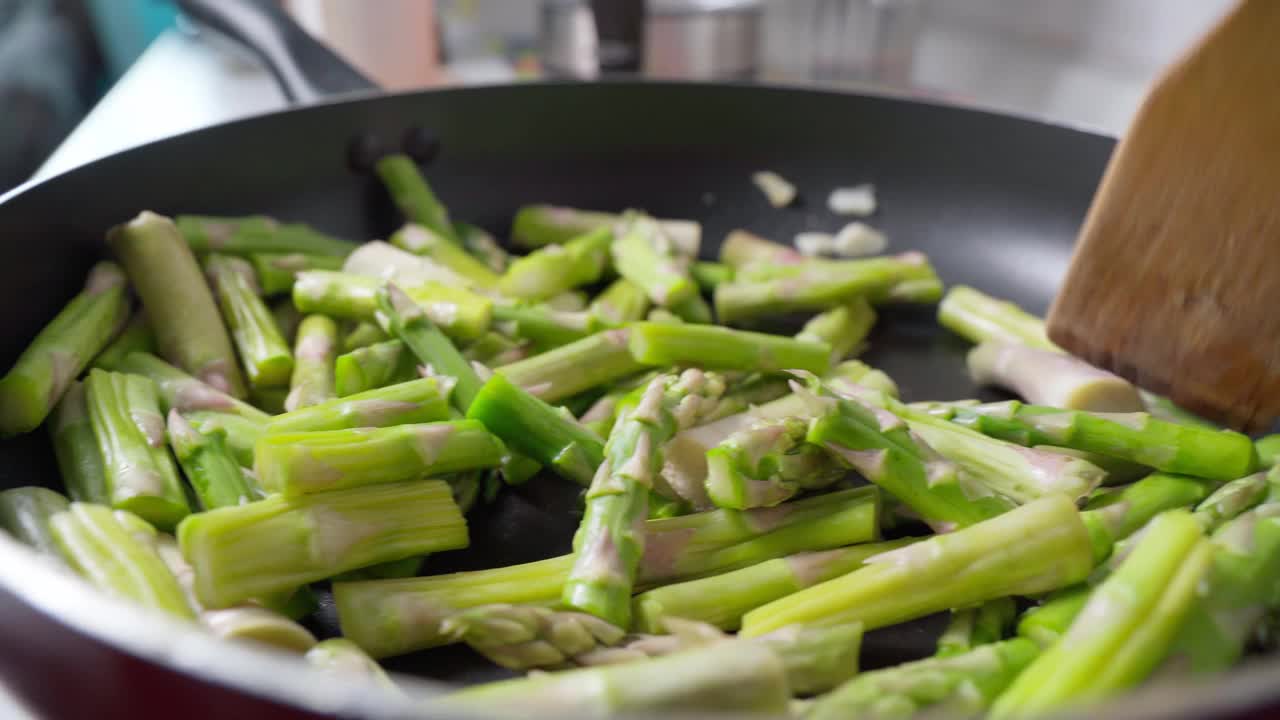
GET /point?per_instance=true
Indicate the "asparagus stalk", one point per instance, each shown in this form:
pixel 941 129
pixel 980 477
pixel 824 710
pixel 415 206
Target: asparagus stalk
pixel 461 313
pixel 691 310
pixel 571 369
pixel 342 658
pixel 129 429
pixel 1034 548
pixel 1045 377
pixel 179 305
pixel 392 617
pixel 404 319
pixel 241 435
pixel 1165 409
pixel 1268 450
pixel 843 328
pixel 209 465
pixel 420 240
pixel 741 248
pixel 622 302
pixel 980 318
pixel 186 394
pixel 1125 628
pixel 76 448
pixel 538 225
pixel 974 627
pixel 269 400
pixel 413 195
pixel 643 254
pixel 312 382
pixel 723 599
pixel 416 401
pixel 521 637
pixel 389 263
pixel 545 327
pixel 256 234
pixel 372 367
pixel 717 347
pixel 821 284
pixel 961 685
pixel 280 543
pixel 1232 499
pixel 766 464
pixel 276 272
pixel 35 383
pixel 287 318
pixel 363 334
pixel 25 513
pixel 556 268
pixel 482 246
pixel 263 352
pixel 680 635
pixel 106 548
pixel 1135 437
pixel 311 462
pixel 608 545
pixel 136 337
pixel 1119 515
pixel 708 275
pixel 1045 623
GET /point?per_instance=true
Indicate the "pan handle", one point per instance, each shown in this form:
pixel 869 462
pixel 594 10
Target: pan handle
pixel 306 70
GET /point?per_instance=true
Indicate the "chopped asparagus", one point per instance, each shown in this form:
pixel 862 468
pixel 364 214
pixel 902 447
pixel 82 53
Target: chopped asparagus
pixel 843 327
pixel 136 337
pixel 643 254
pixel 259 625
pixel 413 195
pixel 1120 514
pixel 342 658
pixel 974 627
pixel 25 513
pixel 64 348
pixel 363 334
pixel 388 263
pixel 1232 499
pixel 315 351
pixel 741 248
pixel 404 319
pixel 1165 409
pixel 570 369
pixel 691 310
pixel 1034 548
pixel 622 302
pixel 545 327
pixel 716 347
pixel 241 434
pixel 276 272
pixel 538 225
pixel 416 401
pixel 179 304
pixel 462 314
pixel 372 367
pixel 495 349
pixel 264 353
pixel 710 274
pixel 1045 377
pixel 979 318
pixel 76 448
pixel 767 463
pixel 1268 450
pixel 521 637
pixel 556 268
pixel 209 464
pixel 186 394
pixel 287 318
pixel 257 234
pixel 280 543
pixel 420 240
pixel 482 246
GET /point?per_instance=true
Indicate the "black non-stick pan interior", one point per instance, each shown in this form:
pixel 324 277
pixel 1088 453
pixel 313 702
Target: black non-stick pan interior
pixel 994 201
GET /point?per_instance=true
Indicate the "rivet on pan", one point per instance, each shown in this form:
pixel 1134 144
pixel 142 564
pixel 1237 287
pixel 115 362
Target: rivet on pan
pixel 420 144
pixel 363 151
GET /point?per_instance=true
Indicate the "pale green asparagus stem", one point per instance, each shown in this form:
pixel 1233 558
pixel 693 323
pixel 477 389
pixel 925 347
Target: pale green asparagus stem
pixel 26 512
pixel 415 401
pixel 342 658
pixel 1045 377
pixel 643 254
pixel 741 248
pixel 263 352
pixel 420 240
pixel 257 234
pixel 372 367
pixel 315 351
pixel 482 246
pixel 978 317
pixel 570 369
pixel 76 448
pixel 766 464
pixel 209 464
pixel 287 318
pixel 557 268
pixel 241 434
pixel 276 272
pixel 462 314
pixel 708 275
pixel 179 391
pixel 712 346
pixel 545 327
pixel 538 225
pixel 363 334
pixel 413 195
pixel 1120 514
pixel 843 328
pixel 622 302
pixel 521 637
pixel 388 263
pixel 976 626
pixel 136 337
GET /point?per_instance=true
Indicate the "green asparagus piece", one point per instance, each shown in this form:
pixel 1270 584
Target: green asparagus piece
pixel 1034 548
pixel 136 337
pixel 420 240
pixel 723 599
pixel 209 465
pixel 287 318
pixel 1120 514
pixel 263 351
pixel 104 546
pixel 767 463
pixel 413 195
pixel 708 275
pixel 276 272
pixel 25 513
pixel 76 448
pixel 495 349
pixel 856 372
pixel 608 544
pixel 310 462
pixel 364 334
pixel 533 427
pixel 372 367
pixel 1164 409
pixel 186 394
pixel 315 350
pixel 280 543
pixel 404 319
pixel 741 248
pixel 691 310
pixel 394 617
pixel 179 304
pixel 140 475
pixel 556 268
pixel 680 635
pixel 957 685
pixel 256 234
pixel 570 369
pixel 1136 437
pixel 269 399
pixel 1125 628
pixel 717 347
pixel 416 401
pixel 388 263
pixel 538 225
pixel 343 658
pixel 843 328
pixel 978 317
pixel 258 625
pixel 31 388
pixel 622 302
pixel 974 627
pixel 545 327
pixel 643 254
pixel 1046 377
pixel 241 434
pixel 1232 499
pixel 822 284
pixel 1046 623
pixel 482 246
pixel 462 314
pixel 521 637
pixel 1268 450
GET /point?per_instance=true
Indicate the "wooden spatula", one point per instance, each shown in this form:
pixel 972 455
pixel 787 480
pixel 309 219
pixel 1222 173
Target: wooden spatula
pixel 1175 283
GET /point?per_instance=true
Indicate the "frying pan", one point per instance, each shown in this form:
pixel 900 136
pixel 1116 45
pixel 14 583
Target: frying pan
pixel 994 200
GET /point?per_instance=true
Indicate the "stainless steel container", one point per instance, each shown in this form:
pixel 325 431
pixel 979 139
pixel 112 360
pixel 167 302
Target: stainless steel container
pixel 702 39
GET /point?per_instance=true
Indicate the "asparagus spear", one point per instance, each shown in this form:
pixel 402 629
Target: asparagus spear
pixel 691 310
pixel 843 327
pixel 1268 450
pixel 459 312
pixel 129 429
pixel 413 195
pixel 287 318
pixel 1121 514
pixel 256 234
pixel 276 272
pixel 186 394
pixel 482 246
pixel 372 367
pixel 1136 437
pixel 310 462
pixel 1045 377
pixel 708 275
pixel 723 599
pixel 1232 499
pixel 1034 548
pixel 570 369
pixel 538 225
pixel 280 543
pixel 392 617
pixel 545 327
pixel 420 240
pixel 416 401
pixel 136 337
pixel 767 463
pixel 1125 628
pixel 25 513
pixel 241 434
pixel 961 685
pixel 979 318
pixel 643 254
pixel 209 465
pixel 31 388
pixel 622 302
pixel 363 334
pixel 76 448
pixel 974 627
pixel 495 349
pixel 608 546
pixel 820 284
pixel 263 352
pixel 556 268
pixel 312 382
pixel 521 637
pixel 389 263
pixel 342 658
pixel 179 305
pixel 104 546
pixel 722 348
pixel 741 248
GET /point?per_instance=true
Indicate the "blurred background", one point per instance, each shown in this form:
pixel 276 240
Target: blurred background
pixel 80 79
